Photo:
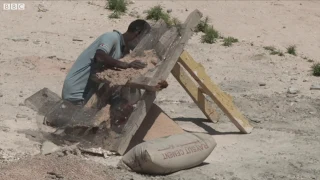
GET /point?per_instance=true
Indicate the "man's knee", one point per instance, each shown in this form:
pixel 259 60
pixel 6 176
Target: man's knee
pixel 79 103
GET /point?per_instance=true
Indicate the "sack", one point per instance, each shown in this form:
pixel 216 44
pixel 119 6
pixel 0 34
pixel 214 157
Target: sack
pixel 170 154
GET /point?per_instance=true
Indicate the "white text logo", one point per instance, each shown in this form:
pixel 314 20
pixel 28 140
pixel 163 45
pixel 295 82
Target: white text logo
pixel 13 6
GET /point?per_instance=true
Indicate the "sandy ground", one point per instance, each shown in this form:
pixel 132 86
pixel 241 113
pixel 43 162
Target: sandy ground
pixel 37 48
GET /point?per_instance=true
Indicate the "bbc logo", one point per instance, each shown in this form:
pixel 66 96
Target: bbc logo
pixel 13 6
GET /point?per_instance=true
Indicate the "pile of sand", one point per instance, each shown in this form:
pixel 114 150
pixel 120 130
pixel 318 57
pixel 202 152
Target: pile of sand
pixel 122 76
pixel 55 167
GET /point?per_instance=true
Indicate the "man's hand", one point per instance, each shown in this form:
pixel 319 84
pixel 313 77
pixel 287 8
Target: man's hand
pixel 136 64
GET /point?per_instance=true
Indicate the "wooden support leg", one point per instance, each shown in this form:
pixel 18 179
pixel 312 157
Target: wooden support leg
pixel 194 92
pixel 223 100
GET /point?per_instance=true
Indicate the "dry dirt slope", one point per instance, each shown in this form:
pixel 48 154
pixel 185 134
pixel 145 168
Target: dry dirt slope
pixel 285 142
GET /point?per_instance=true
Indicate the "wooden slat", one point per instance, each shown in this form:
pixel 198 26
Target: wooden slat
pixel 143 106
pixel 42 101
pixel 194 92
pixel 223 100
pixel 165 42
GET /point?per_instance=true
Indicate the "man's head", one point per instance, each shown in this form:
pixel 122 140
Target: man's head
pixel 136 30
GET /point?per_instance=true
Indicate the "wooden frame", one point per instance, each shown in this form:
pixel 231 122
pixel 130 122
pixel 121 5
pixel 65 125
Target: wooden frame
pixel 169 46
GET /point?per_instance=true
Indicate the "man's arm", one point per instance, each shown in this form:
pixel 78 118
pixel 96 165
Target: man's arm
pixel 105 59
pixel 102 55
pixel 108 61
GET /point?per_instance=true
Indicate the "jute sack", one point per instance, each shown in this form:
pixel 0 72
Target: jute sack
pixel 170 154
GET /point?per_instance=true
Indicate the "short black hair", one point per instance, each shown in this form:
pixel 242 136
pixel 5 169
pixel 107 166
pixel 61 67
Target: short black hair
pixel 139 25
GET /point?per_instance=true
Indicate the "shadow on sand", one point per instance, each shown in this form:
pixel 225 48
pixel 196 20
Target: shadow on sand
pixel 200 122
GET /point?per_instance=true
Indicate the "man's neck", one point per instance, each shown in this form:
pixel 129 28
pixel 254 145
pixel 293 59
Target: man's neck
pixel 125 38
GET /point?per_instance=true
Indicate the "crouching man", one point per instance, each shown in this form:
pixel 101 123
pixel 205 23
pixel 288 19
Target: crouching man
pixel 105 52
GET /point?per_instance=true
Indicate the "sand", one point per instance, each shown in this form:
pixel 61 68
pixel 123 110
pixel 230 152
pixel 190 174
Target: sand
pixel 54 167
pixel 122 76
pixel 285 142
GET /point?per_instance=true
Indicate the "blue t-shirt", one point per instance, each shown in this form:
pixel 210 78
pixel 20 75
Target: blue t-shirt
pixel 76 82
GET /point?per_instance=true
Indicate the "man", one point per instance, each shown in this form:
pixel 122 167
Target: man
pixel 104 52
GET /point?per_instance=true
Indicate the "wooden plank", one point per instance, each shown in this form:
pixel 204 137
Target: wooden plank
pixel 136 118
pixel 165 42
pixel 223 100
pixel 226 94
pixel 42 101
pixel 143 106
pixel 194 92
